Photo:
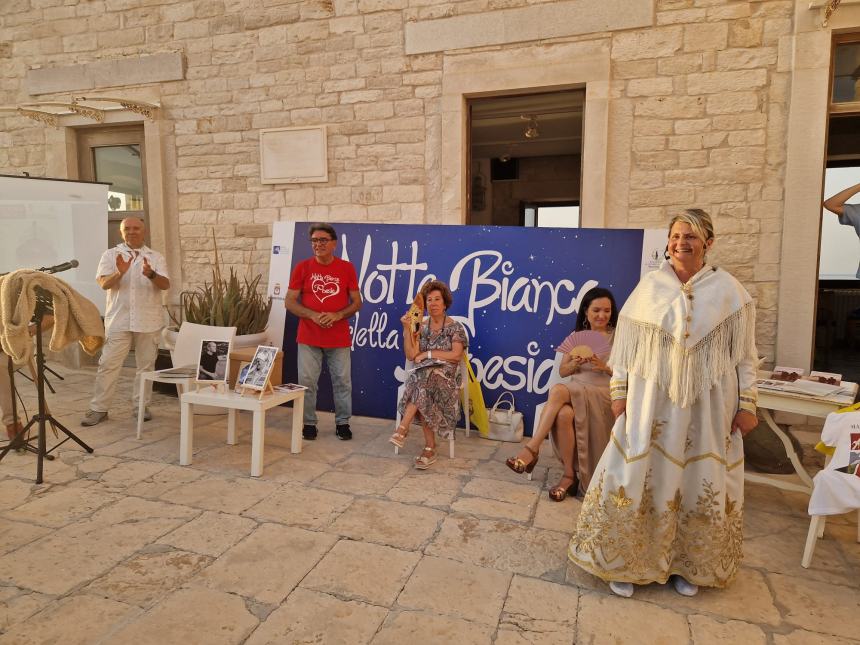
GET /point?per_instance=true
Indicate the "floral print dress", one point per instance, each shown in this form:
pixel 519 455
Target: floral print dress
pixel 434 385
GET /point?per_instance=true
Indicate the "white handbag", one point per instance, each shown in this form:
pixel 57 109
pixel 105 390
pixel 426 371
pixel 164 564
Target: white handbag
pixel 506 424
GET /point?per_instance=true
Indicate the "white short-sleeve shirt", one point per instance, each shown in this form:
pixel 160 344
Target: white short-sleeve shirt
pixel 135 303
pixel 837 492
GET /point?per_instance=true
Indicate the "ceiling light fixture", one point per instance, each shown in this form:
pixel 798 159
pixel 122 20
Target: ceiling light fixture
pixel 531 131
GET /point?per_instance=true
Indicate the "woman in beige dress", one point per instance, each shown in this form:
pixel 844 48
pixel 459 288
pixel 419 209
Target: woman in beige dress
pixel 578 413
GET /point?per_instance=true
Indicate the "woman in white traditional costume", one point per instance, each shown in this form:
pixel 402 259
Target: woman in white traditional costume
pixel 666 499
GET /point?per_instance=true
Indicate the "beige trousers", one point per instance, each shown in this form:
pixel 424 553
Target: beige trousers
pixel 116 348
pixel 5 391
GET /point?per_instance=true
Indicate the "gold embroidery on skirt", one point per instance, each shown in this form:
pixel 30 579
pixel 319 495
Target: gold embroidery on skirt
pixel 616 539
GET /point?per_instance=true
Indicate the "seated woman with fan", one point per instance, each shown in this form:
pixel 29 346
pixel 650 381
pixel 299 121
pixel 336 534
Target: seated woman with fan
pixel 578 413
pixel 431 392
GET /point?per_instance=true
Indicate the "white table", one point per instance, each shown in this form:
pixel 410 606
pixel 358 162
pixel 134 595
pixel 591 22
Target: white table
pixel 773 401
pixel 233 402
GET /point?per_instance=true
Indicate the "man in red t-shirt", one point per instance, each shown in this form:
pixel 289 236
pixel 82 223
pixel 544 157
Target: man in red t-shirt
pixel 323 293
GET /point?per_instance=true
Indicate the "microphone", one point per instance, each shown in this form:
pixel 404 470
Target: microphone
pixel 57 268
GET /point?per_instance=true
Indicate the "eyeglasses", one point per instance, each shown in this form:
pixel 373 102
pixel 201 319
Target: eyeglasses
pixel 321 240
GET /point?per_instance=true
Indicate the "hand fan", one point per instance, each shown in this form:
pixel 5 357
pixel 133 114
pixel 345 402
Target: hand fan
pixel 597 342
pixel 416 313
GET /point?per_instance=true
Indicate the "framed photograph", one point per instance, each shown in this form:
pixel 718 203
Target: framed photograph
pixel 213 360
pixel 261 366
pixel 293 155
pixel 243 371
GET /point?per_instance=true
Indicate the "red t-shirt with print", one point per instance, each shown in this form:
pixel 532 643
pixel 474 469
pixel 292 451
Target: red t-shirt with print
pixel 324 288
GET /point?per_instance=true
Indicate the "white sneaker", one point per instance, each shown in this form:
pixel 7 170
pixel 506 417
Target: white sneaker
pixel 684 587
pixel 623 589
pixel 92 418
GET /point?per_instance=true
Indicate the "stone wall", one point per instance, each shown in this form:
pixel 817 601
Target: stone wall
pixel 698 105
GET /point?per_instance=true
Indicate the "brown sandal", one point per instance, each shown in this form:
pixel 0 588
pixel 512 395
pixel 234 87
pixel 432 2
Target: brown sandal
pixel 558 493
pixel 426 459
pixel 399 436
pixel 519 466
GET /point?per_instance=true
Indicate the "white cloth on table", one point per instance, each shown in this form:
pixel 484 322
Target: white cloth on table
pixel 836 492
pixel 135 303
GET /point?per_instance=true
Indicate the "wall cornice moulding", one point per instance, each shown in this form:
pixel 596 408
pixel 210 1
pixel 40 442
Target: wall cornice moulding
pixel 539 22
pixel 115 72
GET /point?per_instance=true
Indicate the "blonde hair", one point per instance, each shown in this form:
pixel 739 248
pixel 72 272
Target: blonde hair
pixel 698 220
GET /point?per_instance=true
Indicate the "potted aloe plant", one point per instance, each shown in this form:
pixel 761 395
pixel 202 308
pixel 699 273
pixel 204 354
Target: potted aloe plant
pixel 227 302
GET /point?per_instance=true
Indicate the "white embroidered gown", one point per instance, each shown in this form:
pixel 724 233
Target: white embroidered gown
pixel 667 495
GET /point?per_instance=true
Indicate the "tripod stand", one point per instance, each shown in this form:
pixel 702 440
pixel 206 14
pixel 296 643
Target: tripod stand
pixel 42 416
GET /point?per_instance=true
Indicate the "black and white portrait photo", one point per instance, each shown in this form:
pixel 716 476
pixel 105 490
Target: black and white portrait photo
pixel 212 365
pixel 261 365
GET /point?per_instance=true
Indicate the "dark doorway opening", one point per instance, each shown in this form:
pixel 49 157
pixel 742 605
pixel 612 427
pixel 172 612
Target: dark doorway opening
pixel 525 152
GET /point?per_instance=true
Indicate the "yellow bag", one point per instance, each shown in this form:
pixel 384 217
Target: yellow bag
pixel 830 450
pixel 477 409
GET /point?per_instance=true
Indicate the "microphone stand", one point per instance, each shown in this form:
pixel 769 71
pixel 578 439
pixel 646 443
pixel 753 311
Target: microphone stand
pixel 42 416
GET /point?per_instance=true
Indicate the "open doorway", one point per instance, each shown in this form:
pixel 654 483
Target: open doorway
pixel 116 154
pixel 525 159
pixel 837 319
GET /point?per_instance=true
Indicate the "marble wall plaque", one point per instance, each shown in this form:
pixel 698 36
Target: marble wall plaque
pixel 293 155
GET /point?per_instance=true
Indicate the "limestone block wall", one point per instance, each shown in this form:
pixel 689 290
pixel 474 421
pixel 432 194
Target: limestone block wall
pixel 697 110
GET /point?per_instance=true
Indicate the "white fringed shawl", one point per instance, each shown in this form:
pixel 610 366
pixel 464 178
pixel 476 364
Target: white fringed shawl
pixel 650 337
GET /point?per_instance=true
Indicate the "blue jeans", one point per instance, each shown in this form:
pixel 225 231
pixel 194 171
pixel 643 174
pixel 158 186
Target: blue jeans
pixel 339 361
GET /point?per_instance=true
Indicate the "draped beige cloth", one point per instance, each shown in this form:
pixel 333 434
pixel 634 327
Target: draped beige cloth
pixel 75 317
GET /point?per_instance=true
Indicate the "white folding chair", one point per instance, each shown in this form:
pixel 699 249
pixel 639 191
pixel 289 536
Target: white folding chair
pixel 464 398
pixel 186 353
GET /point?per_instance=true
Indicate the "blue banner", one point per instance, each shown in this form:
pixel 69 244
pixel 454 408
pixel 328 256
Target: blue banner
pixel 516 290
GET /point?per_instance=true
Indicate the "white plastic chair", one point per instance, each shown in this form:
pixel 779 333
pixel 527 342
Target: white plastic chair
pixel 824 483
pixel 554 377
pixel 186 353
pixel 464 397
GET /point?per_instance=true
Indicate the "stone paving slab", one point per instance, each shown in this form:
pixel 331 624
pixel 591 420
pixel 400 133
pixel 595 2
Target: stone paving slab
pixel 308 508
pixel 58 507
pixel 707 631
pixel 362 571
pixel 456 589
pixel 748 598
pixel 295 468
pixel 17 605
pixel 60 561
pixel 312 617
pixel 16 534
pixel 164 480
pixel 426 489
pixel 196 615
pixel 348 543
pixel 802 637
pixel 79 619
pixel 209 533
pixel 502 545
pixel 411 626
pixel 268 563
pixel 817 606
pixel 217 494
pixel 538 611
pixel 147 577
pixel 608 620
pixel 399 525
